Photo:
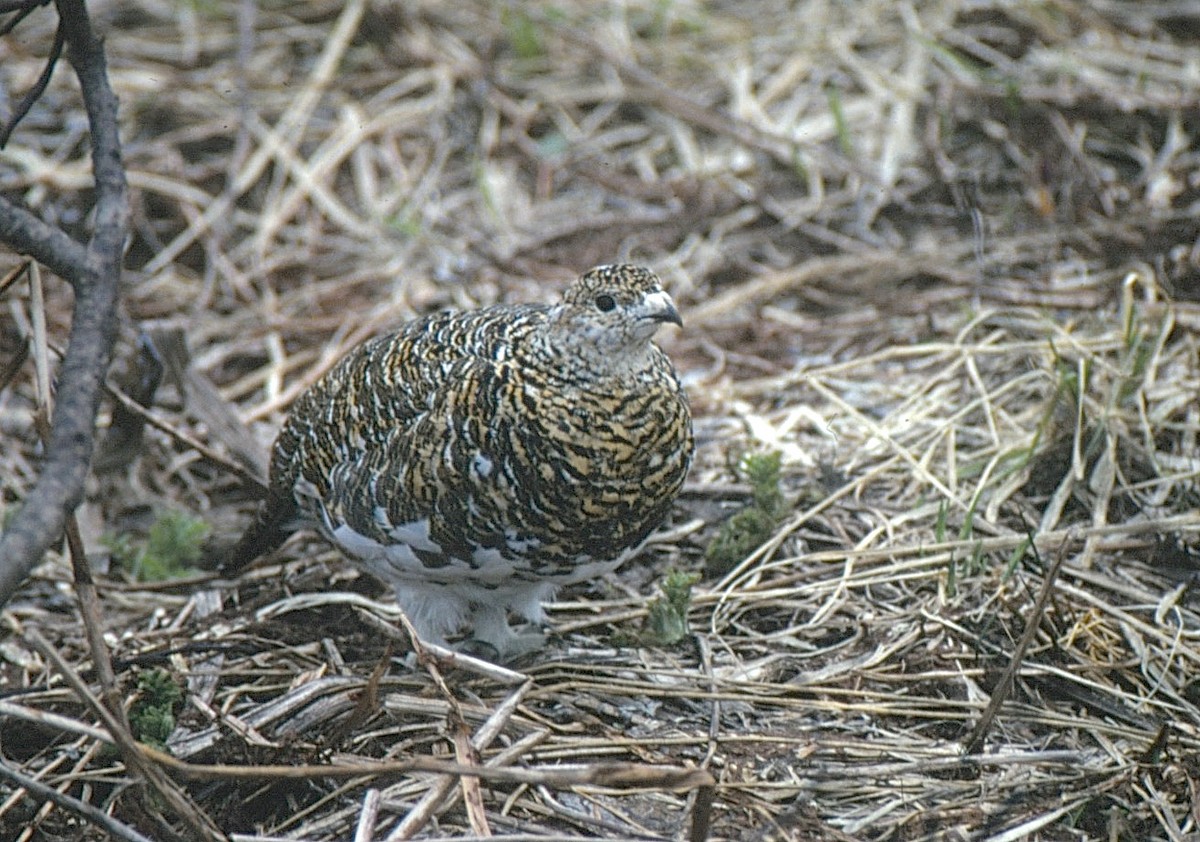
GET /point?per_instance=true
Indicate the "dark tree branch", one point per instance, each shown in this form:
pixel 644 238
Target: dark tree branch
pixel 49 246
pixel 23 9
pixel 38 88
pixel 40 520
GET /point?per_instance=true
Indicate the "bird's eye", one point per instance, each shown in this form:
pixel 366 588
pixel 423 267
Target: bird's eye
pixel 605 303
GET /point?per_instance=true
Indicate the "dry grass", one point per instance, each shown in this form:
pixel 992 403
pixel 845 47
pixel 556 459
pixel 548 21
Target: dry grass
pixel 943 256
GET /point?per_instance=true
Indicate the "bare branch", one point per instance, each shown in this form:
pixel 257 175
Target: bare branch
pixel 48 245
pixel 40 520
pixel 38 88
pixel 23 9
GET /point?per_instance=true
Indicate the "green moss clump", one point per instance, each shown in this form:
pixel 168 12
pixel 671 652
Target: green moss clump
pixel 524 34
pixel 748 529
pixel 152 715
pixel 666 621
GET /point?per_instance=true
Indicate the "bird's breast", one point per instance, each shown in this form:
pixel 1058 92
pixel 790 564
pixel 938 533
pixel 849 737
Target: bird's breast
pixel 608 457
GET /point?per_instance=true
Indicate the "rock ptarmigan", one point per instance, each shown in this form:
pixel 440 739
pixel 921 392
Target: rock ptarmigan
pixel 476 461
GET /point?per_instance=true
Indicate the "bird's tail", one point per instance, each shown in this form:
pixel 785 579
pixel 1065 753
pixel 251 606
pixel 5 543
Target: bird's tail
pixel 272 523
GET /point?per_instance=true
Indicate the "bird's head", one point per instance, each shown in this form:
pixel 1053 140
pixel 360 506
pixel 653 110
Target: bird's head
pixel 614 310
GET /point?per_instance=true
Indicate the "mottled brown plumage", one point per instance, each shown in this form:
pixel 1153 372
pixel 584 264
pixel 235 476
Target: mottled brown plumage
pixel 478 460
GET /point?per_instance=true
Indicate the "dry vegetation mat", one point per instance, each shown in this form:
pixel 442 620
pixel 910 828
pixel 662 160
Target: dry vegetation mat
pixel 941 258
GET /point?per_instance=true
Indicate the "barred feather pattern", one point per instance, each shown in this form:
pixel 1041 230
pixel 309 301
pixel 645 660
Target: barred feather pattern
pixel 477 461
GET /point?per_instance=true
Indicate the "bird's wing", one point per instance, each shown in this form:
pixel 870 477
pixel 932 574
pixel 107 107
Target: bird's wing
pixel 429 482
pixel 389 384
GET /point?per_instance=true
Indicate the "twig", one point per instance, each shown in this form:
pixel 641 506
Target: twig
pixel 197 822
pixel 39 87
pixel 365 830
pixel 23 8
pixel 85 587
pixel 462 749
pixel 1000 692
pixel 612 775
pixel 433 797
pixel 597 819
pixel 446 657
pixel 46 719
pixel 472 794
pixel 702 798
pixel 368 700
pixel 27 234
pixel 73 805
pixel 250 478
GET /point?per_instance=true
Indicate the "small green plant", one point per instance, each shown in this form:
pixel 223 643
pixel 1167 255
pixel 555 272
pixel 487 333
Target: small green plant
pixel 152 715
pixel 666 621
pixel 405 222
pixel 172 547
pixel 833 97
pixel 748 529
pixel 666 17
pixel 524 33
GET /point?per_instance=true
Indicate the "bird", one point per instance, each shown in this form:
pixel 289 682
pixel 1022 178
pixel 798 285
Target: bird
pixel 476 461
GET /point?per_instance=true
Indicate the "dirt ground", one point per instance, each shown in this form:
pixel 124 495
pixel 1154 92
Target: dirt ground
pixel 943 257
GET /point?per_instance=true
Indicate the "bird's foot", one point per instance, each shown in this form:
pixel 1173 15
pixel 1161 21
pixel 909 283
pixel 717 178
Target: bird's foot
pixel 506 646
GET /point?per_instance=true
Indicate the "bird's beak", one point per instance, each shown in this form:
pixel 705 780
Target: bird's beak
pixel 661 308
